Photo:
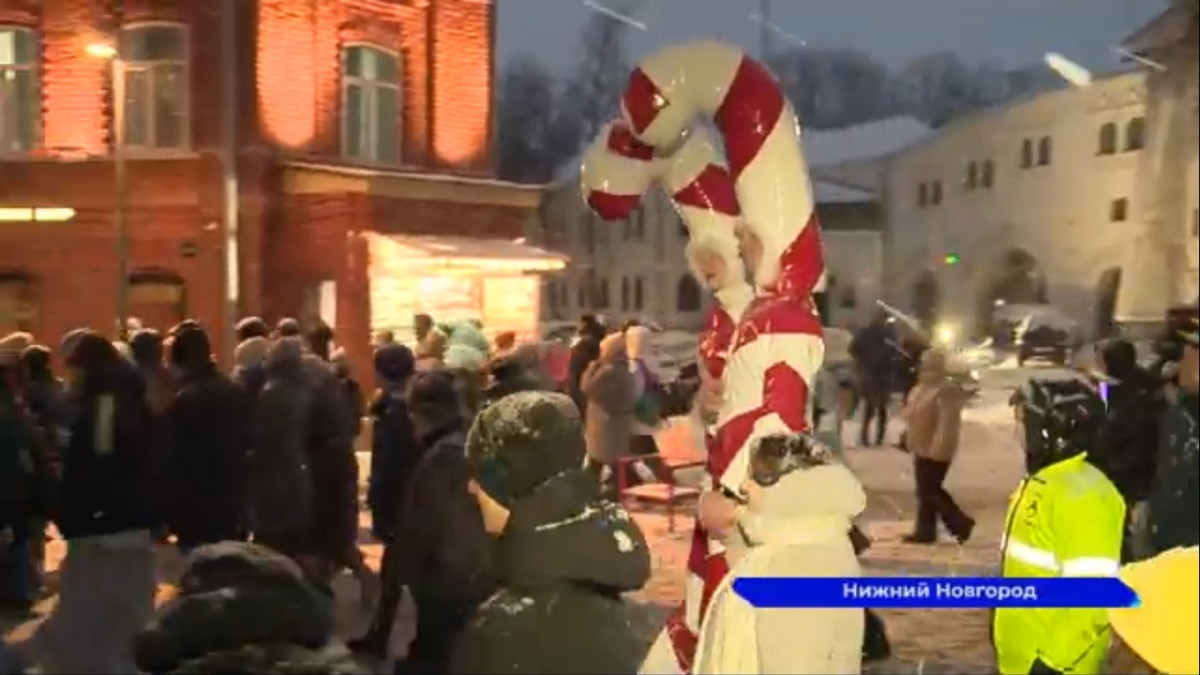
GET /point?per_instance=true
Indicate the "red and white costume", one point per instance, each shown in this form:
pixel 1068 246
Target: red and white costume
pixel 769 352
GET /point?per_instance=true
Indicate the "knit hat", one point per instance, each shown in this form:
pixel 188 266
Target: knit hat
pixel 523 440
pixel 251 352
pixel 394 362
pixel 288 327
pixel 1162 628
pixel 252 327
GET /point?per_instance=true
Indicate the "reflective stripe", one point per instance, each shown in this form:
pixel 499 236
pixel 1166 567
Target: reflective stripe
pixel 1091 567
pixel 1031 555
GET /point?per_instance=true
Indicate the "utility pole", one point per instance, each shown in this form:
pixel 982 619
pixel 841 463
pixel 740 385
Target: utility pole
pixel 229 167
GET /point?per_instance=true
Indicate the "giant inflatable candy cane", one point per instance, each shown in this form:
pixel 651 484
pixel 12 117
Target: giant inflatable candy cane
pixel 777 347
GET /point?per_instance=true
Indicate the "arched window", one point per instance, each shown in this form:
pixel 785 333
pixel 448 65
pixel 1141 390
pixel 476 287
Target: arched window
pixel 154 63
pixel 987 174
pixel 624 294
pixel 971 181
pixel 1135 134
pixel 1106 144
pixel 370 104
pixel 688 294
pixel 20 104
pixel 1045 151
pixel 17 311
pixel 639 294
pixel 157 298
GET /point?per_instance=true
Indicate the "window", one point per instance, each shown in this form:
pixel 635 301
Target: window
pixel 157 298
pixel 1026 153
pixel 1044 151
pixel 602 295
pixel 17 311
pixel 687 294
pixel 155 62
pixel 20 104
pixel 971 181
pixel 1118 210
pixel 624 294
pixel 1135 134
pixel 370 104
pixel 922 195
pixel 987 174
pixel 639 294
pixel 1106 144
pixel 581 294
pixel 1195 224
pixel 935 193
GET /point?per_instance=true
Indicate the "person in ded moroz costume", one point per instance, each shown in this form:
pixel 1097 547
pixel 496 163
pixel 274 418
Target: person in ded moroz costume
pixel 775 346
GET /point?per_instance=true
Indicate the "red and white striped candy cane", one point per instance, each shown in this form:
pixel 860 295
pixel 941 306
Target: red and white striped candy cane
pixel 670 89
pixel 617 170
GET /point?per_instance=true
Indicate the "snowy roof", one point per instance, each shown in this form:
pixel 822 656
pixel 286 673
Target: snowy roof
pixel 829 147
pixel 830 192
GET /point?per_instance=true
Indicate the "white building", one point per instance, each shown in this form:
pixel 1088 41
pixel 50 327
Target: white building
pixel 1030 200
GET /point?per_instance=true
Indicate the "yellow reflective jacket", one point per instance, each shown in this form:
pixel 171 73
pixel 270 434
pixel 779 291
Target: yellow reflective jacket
pixel 1067 520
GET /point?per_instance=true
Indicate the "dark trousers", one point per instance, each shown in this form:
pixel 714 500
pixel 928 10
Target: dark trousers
pixel 875 409
pixel 390 596
pixel 438 626
pixel 933 502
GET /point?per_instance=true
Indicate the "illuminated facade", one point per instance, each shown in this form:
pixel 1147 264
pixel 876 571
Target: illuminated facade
pixel 353 116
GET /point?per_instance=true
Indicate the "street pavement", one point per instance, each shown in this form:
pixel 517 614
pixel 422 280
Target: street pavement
pixel 988 467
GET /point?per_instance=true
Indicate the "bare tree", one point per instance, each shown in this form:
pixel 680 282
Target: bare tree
pixel 592 94
pixel 529 145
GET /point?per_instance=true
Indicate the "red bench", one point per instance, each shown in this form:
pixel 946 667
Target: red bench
pixel 677 452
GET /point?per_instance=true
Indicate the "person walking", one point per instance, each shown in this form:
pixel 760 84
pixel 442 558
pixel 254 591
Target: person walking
pixel 394 457
pixel 446 557
pixel 208 437
pixel 607 385
pixel 107 579
pixel 1173 518
pixel 872 352
pixel 934 416
pixel 584 350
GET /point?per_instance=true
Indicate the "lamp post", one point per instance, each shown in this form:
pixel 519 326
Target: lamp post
pixel 120 182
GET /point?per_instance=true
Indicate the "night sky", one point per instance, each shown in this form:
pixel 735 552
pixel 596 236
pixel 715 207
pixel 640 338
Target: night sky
pixel 1008 33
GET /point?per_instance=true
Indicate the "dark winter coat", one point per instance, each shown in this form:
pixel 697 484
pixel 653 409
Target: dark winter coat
pixel 1127 446
pixel 446 557
pixel 394 456
pixel 874 355
pixel 289 430
pixel 208 438
pixel 1175 499
pixel 26 479
pixel 564 559
pixel 585 350
pixel 104 448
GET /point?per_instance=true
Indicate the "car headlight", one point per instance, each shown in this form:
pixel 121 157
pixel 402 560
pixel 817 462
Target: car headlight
pixel 944 334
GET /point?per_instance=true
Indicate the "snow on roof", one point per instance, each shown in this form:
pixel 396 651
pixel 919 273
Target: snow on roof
pixel 829 147
pixel 830 192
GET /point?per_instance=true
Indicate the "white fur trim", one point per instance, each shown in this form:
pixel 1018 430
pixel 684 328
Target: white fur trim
pixel 721 241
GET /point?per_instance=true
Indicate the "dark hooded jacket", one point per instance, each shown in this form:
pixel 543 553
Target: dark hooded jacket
pixel 394 452
pixel 585 350
pixel 1174 519
pixel 104 445
pixel 1128 440
pixel 207 429
pixel 565 556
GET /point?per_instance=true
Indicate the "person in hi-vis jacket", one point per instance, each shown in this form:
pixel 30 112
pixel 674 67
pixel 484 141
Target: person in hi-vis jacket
pixel 1066 519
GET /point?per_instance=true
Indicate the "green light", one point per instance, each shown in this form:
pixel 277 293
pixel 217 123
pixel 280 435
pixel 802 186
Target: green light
pixel 951 259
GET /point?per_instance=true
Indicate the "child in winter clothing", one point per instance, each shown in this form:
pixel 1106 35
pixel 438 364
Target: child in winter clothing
pixel 564 556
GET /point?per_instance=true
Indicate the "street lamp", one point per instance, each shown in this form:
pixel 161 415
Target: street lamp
pixel 120 186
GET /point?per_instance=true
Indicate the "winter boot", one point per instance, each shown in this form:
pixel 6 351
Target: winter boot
pixel 875 641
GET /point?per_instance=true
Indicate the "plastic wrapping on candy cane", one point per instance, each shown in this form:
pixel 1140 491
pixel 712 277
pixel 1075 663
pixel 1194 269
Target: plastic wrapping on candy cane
pixel 617 170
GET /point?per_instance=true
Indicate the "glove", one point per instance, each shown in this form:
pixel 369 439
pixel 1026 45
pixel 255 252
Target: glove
pixel 1040 667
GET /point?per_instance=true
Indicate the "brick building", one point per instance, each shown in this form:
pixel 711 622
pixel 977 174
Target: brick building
pixel 355 118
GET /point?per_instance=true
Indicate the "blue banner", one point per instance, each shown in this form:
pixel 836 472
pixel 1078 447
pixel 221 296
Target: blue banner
pixel 935 592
